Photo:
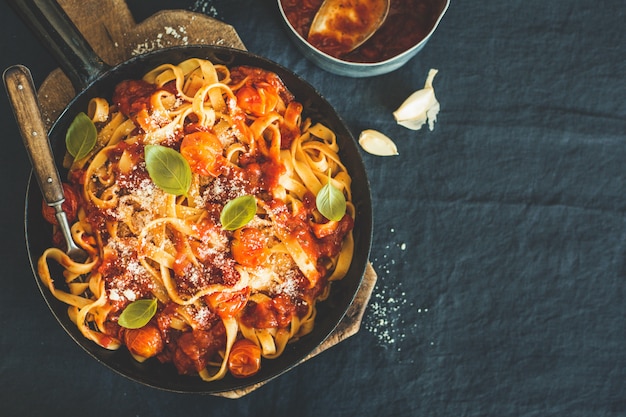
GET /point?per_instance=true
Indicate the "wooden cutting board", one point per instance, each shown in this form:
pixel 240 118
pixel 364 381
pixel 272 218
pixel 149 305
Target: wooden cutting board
pixel 114 35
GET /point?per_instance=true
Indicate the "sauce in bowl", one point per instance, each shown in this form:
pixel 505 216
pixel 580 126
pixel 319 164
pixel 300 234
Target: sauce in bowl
pixel 408 22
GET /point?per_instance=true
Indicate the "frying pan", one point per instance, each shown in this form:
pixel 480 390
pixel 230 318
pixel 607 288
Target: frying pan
pixel 91 77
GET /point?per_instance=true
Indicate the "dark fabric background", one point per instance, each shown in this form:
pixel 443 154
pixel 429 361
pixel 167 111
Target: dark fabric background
pixel 499 242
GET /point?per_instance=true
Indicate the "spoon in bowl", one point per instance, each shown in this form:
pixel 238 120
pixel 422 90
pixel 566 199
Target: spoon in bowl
pixel 23 97
pixel 341 26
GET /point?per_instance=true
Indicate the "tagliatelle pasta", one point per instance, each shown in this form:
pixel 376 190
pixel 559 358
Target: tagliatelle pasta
pixel 224 298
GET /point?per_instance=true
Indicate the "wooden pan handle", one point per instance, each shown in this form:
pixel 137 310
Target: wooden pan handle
pixel 23 97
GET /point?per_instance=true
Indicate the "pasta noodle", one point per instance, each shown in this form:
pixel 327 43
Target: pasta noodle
pixel 224 298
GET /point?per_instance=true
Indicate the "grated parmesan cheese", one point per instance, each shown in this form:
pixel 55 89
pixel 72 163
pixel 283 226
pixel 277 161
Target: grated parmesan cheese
pixel 384 317
pixel 134 277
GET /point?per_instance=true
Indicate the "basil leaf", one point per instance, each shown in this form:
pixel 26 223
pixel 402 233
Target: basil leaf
pixel 138 313
pixel 238 212
pixel 81 136
pixel 331 202
pixel 168 169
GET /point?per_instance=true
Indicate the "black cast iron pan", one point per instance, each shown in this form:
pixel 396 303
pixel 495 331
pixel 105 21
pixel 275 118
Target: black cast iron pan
pixel 91 77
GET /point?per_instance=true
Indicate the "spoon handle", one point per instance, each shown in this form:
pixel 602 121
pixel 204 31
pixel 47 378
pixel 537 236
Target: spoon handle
pixel 20 88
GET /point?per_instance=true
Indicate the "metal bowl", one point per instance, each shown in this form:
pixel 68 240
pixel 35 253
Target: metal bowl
pixel 365 69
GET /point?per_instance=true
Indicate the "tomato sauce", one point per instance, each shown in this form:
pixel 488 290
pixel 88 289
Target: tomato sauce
pixel 408 22
pixel 131 96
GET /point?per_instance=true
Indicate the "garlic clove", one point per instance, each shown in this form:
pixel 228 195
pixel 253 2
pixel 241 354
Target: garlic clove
pixel 420 107
pixel 416 105
pixel 376 143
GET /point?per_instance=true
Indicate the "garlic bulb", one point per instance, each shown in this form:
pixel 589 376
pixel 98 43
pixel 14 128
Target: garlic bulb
pixel 376 143
pixel 421 107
